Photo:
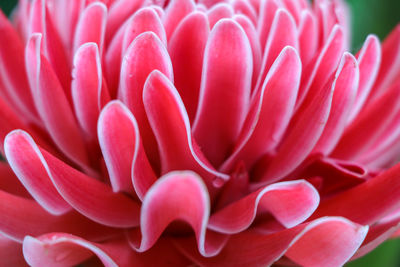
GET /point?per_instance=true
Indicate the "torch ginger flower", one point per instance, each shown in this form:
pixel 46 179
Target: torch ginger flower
pixel 214 133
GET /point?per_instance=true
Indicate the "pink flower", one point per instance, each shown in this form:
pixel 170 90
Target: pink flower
pixel 214 133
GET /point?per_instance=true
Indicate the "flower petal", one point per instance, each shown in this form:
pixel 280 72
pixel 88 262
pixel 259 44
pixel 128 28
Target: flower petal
pixel 175 12
pixel 268 11
pixel 308 36
pixel 91 26
pixel 270 112
pixel 56 114
pixel 86 87
pixel 283 33
pixel 14 223
pixel 122 150
pixel 169 121
pixel 289 202
pixel 336 238
pixel 145 54
pixel 11 253
pixel 227 71
pixel 345 90
pixel 90 197
pixel 218 12
pixel 186 49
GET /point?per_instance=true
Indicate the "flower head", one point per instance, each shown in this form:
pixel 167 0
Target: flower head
pixel 215 133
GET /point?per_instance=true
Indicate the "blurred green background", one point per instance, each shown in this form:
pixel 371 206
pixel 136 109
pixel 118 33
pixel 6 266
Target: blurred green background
pixel 368 16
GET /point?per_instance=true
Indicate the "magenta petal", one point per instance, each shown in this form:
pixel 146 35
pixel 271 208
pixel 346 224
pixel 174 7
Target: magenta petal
pixel 145 19
pixel 12 72
pixel 86 87
pixel 118 12
pixel 145 54
pixel 245 8
pixel 218 12
pixel 56 114
pixel 171 127
pixel 367 202
pixel 268 10
pixel 345 90
pixel 61 249
pixel 303 133
pixel 369 60
pixel 186 49
pixel 283 33
pixel 289 202
pixel 28 168
pixel 91 26
pixel 226 75
pixel 308 37
pixel 122 150
pixel 14 223
pixel 271 110
pixel 175 12
pixel 180 196
pixel 92 198
pixel 11 253
pixel 10 183
pixel 390 65
pixel 337 239
pixel 317 73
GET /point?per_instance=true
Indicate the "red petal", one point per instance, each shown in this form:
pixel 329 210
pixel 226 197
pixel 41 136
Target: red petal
pixel 317 73
pixel 175 12
pixel 268 11
pixel 10 183
pixel 118 12
pixel 218 12
pixel 308 37
pixel 367 202
pixel 122 150
pixel 91 26
pixel 175 196
pixel 11 253
pixel 86 87
pixel 28 168
pixel 345 90
pixel 15 210
pixel 186 49
pixel 87 195
pixel 12 70
pixel 283 33
pixel 245 8
pixel 303 133
pixel 56 114
pixel 329 241
pixel 369 59
pixel 170 124
pixel 226 76
pixel 390 67
pixel 271 110
pixel 289 202
pixel 145 54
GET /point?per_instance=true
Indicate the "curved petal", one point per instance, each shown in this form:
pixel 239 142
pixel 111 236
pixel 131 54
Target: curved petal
pixel 56 114
pixel 90 197
pixel 226 76
pixel 369 60
pixel 345 90
pixel 91 26
pixel 186 49
pixel 270 112
pixel 283 33
pixel 14 223
pixel 122 150
pixel 175 12
pixel 10 183
pixel 86 87
pixel 308 36
pixel 218 12
pixel 169 121
pixel 289 202
pixel 11 253
pixel 145 54
pixel 32 174
pixel 268 9
pixel 336 238
pixel 368 202
pixel 175 196
pixel 245 8
pixel 303 133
